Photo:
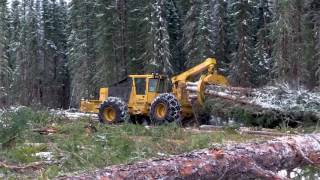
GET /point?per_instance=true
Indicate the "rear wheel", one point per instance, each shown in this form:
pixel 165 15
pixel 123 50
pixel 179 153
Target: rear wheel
pixel 165 109
pixel 113 110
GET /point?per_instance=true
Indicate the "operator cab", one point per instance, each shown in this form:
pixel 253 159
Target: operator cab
pixel 145 88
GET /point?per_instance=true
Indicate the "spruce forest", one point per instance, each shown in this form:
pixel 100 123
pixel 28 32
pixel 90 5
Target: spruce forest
pixel 253 115
pixel 53 52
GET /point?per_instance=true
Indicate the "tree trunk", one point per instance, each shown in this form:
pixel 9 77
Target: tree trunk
pixel 243 161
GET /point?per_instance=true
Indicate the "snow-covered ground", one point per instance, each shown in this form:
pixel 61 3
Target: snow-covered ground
pixel 72 113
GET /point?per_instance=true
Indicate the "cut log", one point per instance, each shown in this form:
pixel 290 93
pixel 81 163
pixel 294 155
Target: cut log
pixel 30 167
pixel 46 131
pixel 228 97
pixel 261 133
pixel 211 128
pixel 244 161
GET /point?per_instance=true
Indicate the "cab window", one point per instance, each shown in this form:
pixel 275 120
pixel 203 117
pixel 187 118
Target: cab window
pixel 153 85
pixel 140 86
pixel 162 86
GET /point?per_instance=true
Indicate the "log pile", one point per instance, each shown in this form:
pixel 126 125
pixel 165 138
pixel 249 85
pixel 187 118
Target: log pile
pixel 242 161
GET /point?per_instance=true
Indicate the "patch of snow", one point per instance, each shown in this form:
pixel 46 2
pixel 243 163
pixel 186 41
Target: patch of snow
pixel 72 114
pixel 45 155
pixel 295 173
pixel 161 154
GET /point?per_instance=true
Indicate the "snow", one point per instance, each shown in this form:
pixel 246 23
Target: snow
pixel 45 155
pixel 280 97
pixel 72 114
pixel 295 173
pixel 284 98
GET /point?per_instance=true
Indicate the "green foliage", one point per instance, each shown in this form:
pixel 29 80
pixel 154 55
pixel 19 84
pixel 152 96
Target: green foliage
pixel 242 114
pixel 25 154
pixel 16 125
pixel 12 126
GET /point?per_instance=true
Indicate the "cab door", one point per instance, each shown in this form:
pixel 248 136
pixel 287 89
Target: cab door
pixel 140 100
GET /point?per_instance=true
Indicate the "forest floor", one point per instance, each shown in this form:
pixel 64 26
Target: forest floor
pixel 42 145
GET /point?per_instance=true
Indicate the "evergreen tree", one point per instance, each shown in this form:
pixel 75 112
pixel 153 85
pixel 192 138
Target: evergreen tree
pixel 106 52
pixel 189 32
pixel 5 70
pixel 14 32
pixel 173 17
pixel 49 50
pixel 314 15
pixel 27 70
pixel 82 51
pixel 262 63
pixel 140 39
pixel 15 45
pixel 290 65
pixel 183 7
pixel 121 38
pixel 220 34
pixel 205 40
pixel 242 42
pixel 161 54
pixel 54 73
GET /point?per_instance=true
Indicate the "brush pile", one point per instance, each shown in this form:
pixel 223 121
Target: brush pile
pixel 266 106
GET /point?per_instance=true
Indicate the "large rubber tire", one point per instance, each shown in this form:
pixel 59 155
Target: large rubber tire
pixel 172 111
pixel 119 108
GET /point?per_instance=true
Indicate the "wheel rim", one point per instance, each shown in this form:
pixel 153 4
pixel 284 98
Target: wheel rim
pixel 109 114
pixel 161 110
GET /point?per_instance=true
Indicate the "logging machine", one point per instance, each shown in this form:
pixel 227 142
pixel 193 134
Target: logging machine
pixel 150 96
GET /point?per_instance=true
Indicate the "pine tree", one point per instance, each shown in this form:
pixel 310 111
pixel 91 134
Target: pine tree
pixel 242 39
pixel 161 54
pixel 140 39
pixel 220 34
pixel 15 45
pixel 5 70
pixel 173 17
pixel 290 65
pixel 262 64
pixel 314 15
pixel 54 73
pixel 82 51
pixel 121 38
pixel 27 70
pixel 198 29
pixel 205 40
pixel 183 6
pixel 14 32
pixel 106 55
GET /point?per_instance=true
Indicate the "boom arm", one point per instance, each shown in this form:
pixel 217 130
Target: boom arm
pixel 183 77
pixel 211 77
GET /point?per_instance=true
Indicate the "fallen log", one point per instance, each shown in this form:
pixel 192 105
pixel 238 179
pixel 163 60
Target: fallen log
pixel 211 128
pixel 46 131
pixel 262 133
pixel 228 97
pixel 21 169
pixel 243 161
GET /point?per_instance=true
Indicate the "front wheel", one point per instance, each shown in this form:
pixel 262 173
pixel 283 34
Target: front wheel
pixel 113 110
pixel 165 109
